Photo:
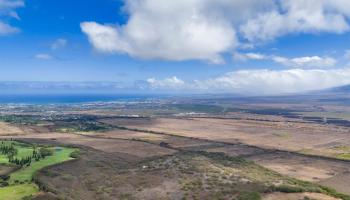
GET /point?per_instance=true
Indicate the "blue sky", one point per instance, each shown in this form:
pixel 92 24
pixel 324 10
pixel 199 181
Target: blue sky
pixel 238 46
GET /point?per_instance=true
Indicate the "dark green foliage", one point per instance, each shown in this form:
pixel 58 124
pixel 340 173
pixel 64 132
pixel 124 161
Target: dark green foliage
pixel 9 150
pixel 334 193
pixel 3 183
pixel 289 189
pixel 21 162
pixel 75 154
pixel 4 177
pixel 249 196
pixel 45 152
pixel 200 108
pixel 19 119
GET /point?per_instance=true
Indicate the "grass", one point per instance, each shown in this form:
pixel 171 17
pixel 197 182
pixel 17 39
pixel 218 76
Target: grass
pixel 18 192
pixel 344 156
pixel 26 174
pixel 20 182
pixel 23 150
pixel 3 159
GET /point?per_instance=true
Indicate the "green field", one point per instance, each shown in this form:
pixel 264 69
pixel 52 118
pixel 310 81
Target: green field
pixel 17 192
pixel 20 181
pixel 26 174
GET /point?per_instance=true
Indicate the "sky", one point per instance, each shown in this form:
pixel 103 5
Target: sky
pixel 260 47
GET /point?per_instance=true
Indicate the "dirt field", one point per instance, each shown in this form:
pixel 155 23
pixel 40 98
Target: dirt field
pixel 128 147
pixel 295 137
pixel 7 129
pixel 292 136
pixel 297 196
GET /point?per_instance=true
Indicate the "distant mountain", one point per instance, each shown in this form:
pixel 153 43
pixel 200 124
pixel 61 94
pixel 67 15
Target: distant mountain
pixel 341 89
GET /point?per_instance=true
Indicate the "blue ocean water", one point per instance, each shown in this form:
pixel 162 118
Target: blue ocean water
pixel 67 98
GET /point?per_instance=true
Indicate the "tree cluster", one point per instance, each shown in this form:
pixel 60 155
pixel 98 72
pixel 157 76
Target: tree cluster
pixel 11 152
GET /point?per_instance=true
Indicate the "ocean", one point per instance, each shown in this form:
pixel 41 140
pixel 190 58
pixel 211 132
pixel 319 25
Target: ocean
pixel 67 98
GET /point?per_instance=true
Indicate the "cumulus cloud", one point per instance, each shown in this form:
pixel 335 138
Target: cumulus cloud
pixel 174 30
pixel 58 44
pixel 206 29
pixel 262 82
pixel 298 16
pixel 7 9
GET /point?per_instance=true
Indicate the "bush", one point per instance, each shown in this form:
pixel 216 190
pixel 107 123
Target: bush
pixel 3 183
pixel 289 189
pixel 44 151
pixel 5 177
pixel 75 154
pixel 249 196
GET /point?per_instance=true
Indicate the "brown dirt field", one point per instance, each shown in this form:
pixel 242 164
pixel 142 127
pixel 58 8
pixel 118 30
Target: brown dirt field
pixel 5 169
pixel 99 175
pixel 291 136
pixel 177 142
pixel 8 129
pixel 341 181
pixel 271 135
pixel 326 172
pixel 132 148
pixel 297 196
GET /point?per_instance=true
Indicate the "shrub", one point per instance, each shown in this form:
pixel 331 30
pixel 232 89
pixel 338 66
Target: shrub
pixel 75 154
pixel 44 151
pixel 5 177
pixel 289 189
pixel 3 183
pixel 249 196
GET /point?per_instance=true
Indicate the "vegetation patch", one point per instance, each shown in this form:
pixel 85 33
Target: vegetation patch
pixel 203 175
pixel 18 192
pixel 81 126
pixel 28 159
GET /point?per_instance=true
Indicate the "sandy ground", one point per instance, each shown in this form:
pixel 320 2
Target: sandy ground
pixel 297 196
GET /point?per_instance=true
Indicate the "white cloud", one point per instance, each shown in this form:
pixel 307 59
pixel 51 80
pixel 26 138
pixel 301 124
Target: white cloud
pixel 298 16
pixel 206 29
pixel 261 82
pixel 306 62
pixel 347 54
pixel 174 30
pixel 58 44
pixel 44 56
pixel 11 4
pixel 169 83
pixel 7 8
pixel 249 56
pixel 6 29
